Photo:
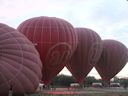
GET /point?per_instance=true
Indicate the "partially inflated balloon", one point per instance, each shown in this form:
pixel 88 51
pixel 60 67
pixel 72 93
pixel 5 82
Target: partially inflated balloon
pixel 87 53
pixel 20 66
pixel 112 60
pixel 55 40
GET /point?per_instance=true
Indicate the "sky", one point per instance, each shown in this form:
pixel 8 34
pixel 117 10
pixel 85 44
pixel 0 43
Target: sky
pixel 109 18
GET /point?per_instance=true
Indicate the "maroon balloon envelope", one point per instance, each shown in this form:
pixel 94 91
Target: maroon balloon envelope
pixel 20 66
pixel 127 54
pixel 113 59
pixel 55 40
pixel 86 55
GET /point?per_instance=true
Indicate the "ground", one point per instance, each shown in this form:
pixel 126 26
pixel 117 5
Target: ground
pixel 84 92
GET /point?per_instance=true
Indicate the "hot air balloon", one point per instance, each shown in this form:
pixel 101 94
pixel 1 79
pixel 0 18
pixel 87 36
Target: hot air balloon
pixel 55 40
pixel 127 54
pixel 20 66
pixel 112 60
pixel 86 55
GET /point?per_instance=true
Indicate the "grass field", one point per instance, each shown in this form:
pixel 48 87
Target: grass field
pixel 83 92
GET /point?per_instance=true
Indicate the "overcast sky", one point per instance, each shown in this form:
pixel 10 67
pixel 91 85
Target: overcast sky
pixel 109 18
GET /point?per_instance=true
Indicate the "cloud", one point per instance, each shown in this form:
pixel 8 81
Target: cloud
pixel 106 17
pixel 103 16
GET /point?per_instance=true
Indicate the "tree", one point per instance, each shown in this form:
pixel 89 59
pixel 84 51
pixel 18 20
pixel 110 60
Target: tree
pixel 63 80
pixel 124 82
pixel 89 80
pixel 116 79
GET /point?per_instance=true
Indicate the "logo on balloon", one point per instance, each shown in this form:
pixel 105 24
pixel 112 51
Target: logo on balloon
pixel 125 56
pixel 95 52
pixel 58 54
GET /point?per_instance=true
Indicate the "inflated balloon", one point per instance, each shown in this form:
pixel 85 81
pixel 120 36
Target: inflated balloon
pixel 112 60
pixel 86 55
pixel 127 54
pixel 20 66
pixel 55 40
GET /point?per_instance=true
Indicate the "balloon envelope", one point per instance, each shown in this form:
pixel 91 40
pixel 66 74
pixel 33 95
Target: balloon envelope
pixel 55 40
pixel 20 66
pixel 87 53
pixel 112 60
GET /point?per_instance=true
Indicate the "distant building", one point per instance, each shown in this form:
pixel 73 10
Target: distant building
pixel 74 85
pixel 97 85
pixel 114 84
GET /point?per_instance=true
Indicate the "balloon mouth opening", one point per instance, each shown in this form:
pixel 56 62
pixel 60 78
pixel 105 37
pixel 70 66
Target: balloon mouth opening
pixel 106 79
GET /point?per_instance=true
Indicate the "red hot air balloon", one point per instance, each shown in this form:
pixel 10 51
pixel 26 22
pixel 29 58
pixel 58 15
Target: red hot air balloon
pixel 20 66
pixel 86 55
pixel 112 60
pixel 55 40
pixel 127 54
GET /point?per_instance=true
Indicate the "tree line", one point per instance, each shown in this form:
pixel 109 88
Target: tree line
pixel 65 81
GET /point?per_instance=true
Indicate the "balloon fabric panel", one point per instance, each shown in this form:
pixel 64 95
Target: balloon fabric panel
pixel 86 55
pixel 55 40
pixel 20 66
pixel 113 59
